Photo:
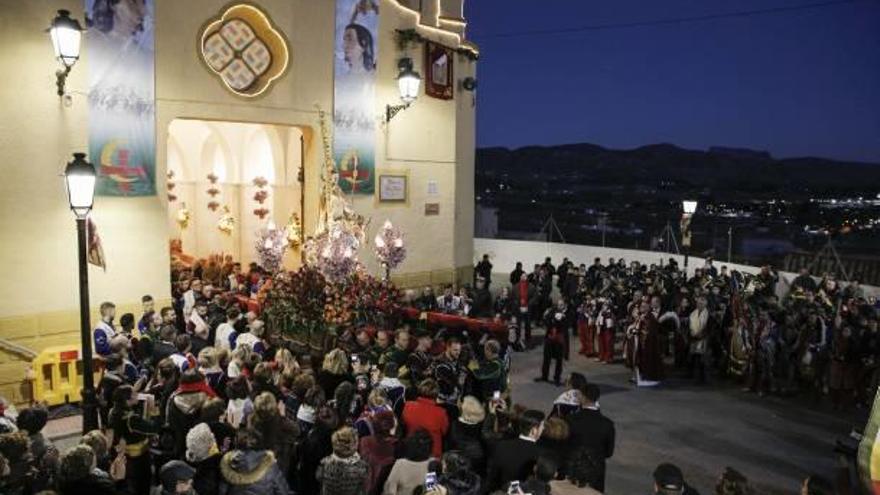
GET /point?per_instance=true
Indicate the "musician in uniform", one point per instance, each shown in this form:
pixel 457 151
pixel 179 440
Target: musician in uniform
pixel 397 353
pixel 419 360
pixel 490 373
pixel 133 430
pixel 649 359
pixel 451 375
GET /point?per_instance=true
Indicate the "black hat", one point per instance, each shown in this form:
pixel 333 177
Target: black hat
pixel 173 472
pixel 422 333
pixel 669 477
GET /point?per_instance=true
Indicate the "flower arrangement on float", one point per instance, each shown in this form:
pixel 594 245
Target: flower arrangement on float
pixel 270 246
pixel 389 247
pixel 332 291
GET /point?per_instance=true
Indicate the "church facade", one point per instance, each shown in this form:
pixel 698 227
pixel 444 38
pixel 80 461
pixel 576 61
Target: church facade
pixel 229 97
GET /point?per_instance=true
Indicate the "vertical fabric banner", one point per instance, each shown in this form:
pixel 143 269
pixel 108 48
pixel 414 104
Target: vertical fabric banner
pixel 354 114
pixel 122 125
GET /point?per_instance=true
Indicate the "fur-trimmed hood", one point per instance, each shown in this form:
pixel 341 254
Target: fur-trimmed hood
pixel 189 403
pixel 246 467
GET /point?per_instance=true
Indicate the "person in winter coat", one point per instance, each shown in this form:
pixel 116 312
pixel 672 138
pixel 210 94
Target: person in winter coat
pixel 203 455
pixel 466 434
pixel 176 478
pixel 425 414
pixel 45 456
pixel 78 475
pixel 343 472
pixel 184 407
pixel 377 450
pixel 409 471
pixel 457 476
pixel 18 476
pixel 249 470
pixel 314 448
pixel 279 433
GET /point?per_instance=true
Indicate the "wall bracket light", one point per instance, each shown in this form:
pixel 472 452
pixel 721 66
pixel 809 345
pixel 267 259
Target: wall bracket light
pixel 408 82
pixel 66 35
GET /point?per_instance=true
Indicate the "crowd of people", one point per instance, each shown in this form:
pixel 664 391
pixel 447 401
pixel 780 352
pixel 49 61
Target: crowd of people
pixel 202 398
pixel 820 338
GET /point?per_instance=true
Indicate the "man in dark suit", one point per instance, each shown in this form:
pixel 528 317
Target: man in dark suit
pixel 516 273
pixel 483 270
pixel 514 459
pixel 591 440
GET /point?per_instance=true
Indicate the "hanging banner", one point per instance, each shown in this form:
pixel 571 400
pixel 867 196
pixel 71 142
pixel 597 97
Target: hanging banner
pixel 354 115
pixel 122 127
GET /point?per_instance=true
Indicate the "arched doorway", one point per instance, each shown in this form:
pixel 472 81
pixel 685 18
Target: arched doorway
pixel 249 172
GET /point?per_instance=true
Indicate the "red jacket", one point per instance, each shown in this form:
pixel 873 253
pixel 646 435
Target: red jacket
pixel 424 413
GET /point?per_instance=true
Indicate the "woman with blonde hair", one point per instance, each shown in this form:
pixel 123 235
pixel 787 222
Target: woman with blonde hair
pixel 334 371
pixel 278 433
pixel 343 472
pixel 285 362
pixel 209 365
pixel 466 434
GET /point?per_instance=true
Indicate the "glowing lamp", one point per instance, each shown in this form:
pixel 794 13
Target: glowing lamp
pixel 689 207
pixel 66 34
pixel 80 177
pixel 408 83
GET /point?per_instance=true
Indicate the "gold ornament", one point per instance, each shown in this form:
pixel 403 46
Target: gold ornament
pixel 226 224
pixel 183 216
pixel 294 231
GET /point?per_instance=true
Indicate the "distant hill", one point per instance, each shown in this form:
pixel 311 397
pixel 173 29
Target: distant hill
pixel 719 167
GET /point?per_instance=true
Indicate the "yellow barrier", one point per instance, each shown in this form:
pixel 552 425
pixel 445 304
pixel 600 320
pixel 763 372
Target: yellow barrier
pixel 58 375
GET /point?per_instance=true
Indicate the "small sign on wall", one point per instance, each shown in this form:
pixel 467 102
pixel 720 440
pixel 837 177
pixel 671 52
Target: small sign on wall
pixel 392 188
pixel 432 209
pixel 433 188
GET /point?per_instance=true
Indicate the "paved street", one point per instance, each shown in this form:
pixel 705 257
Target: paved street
pixel 774 442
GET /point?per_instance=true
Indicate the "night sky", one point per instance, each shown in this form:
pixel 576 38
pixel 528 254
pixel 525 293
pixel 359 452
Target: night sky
pixel 794 83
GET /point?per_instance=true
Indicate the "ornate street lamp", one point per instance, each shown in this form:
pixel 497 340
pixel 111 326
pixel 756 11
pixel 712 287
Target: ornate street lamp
pixel 66 35
pixel 408 82
pixel 80 177
pixel 688 208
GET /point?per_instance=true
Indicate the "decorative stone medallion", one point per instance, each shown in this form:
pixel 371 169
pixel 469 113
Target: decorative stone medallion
pixel 244 49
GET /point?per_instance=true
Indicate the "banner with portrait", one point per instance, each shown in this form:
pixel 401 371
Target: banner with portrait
pixel 121 99
pixel 354 114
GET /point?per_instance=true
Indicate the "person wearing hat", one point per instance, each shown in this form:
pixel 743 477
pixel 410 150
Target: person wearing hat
pixel 177 478
pixel 203 455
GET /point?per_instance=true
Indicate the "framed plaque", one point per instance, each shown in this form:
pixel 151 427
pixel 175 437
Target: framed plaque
pixel 393 187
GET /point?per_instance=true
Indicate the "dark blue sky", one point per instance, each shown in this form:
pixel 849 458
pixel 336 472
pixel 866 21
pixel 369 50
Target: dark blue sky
pixel 796 83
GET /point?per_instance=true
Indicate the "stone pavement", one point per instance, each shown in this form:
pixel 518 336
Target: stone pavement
pixel 775 442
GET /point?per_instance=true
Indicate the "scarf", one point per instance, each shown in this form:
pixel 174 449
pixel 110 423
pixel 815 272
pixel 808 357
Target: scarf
pixel 202 386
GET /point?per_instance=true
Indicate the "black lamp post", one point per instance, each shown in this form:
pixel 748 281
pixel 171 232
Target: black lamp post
pixel 80 177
